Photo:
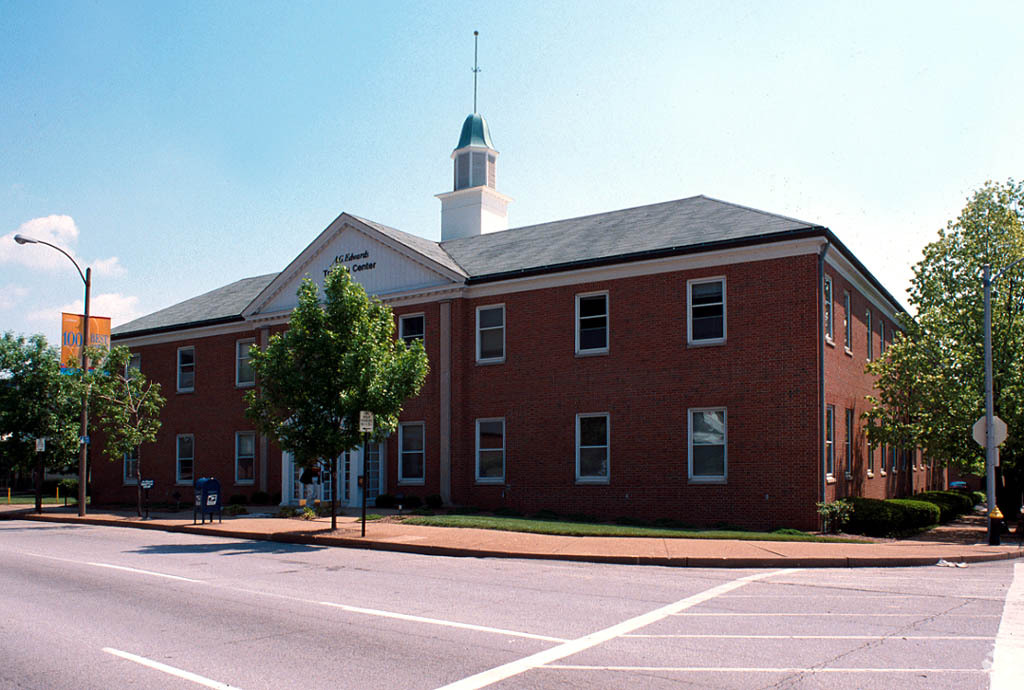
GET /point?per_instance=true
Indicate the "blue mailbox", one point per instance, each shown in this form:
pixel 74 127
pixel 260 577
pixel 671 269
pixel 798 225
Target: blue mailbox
pixel 207 499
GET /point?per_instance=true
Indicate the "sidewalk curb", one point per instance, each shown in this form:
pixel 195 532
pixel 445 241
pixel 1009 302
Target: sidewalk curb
pixel 327 540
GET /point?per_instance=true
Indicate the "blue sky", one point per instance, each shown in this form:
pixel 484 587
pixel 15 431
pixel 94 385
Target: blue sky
pixel 178 146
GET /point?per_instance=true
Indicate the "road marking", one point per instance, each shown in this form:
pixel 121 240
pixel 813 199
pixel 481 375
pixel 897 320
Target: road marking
pixel 844 615
pixel 571 647
pixel 1008 655
pixel 744 669
pixel 438 621
pixel 817 637
pixel 170 670
pixel 115 567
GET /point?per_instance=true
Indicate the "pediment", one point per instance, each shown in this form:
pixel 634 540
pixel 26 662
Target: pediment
pixel 383 264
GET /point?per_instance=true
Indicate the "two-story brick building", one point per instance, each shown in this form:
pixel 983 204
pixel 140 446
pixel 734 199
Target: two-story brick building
pixel 694 359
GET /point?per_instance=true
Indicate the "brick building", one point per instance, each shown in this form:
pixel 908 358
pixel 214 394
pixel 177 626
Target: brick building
pixel 694 359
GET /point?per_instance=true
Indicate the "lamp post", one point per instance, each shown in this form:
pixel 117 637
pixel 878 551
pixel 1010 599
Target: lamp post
pixel 990 446
pixel 83 440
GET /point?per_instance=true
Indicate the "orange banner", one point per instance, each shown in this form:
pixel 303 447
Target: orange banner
pixel 71 338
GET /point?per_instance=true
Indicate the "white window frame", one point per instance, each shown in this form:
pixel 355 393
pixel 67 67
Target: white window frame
pixel 490 480
pixel 504 324
pixel 178 458
pixel 830 441
pixel 881 337
pixel 707 478
pixel 407 339
pixel 847 323
pixel 848 449
pixel 881 468
pixel 134 362
pixel 239 435
pixel 129 479
pixel 607 323
pixel 827 299
pixel 871 334
pixel 178 370
pixel 247 342
pixel 689 311
pixel 606 478
pixel 402 479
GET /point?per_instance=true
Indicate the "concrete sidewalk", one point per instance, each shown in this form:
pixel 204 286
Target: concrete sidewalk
pixel 962 541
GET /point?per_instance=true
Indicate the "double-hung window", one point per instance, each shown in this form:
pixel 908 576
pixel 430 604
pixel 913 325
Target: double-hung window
pixel 848 449
pixel 245 457
pixel 706 441
pixel 490 450
pixel 881 337
pixel 244 374
pixel 830 437
pixel 410 328
pixel 592 324
pixel 705 314
pixel 134 365
pixel 871 461
pixel 411 453
pixel 867 322
pixel 185 465
pixel 186 369
pixel 827 300
pixel 847 323
pixel 490 334
pixel 131 466
pixel 592 448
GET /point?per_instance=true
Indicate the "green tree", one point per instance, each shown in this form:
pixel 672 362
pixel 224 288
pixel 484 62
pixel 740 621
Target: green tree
pixel 36 401
pixel 931 380
pixel 126 406
pixel 337 358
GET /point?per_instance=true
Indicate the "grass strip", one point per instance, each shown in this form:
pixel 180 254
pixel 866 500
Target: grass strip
pixel 590 529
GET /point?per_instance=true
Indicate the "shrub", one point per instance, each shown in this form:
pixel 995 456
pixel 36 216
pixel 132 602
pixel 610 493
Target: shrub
pixel 385 501
pixel 238 500
pixel 434 501
pixel 877 518
pixel 68 487
pixel 507 512
pixel 308 513
pixel 631 521
pixel 672 523
pixel 952 504
pixel 234 509
pixel 465 510
pixel 260 498
pixel 276 498
pixel 411 502
pixel 834 515
pixel 979 498
pixel 287 512
pixel 545 515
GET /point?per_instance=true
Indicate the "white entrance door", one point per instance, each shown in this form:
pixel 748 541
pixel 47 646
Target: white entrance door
pixel 347 481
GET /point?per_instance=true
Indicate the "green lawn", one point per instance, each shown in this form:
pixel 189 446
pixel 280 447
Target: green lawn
pixel 591 529
pixel 21 499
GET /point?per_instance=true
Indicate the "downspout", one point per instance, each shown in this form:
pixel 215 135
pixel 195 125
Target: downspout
pixel 821 366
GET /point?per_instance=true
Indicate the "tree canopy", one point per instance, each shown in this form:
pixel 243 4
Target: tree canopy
pixel 931 380
pixel 338 357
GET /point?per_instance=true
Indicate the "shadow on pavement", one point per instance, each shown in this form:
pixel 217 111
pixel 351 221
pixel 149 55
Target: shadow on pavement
pixel 232 548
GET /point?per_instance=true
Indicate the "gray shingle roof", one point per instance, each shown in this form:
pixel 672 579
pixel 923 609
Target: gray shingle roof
pixel 672 226
pixel 666 226
pixel 220 305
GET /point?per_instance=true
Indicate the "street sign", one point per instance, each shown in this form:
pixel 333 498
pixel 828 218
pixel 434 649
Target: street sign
pixel 365 422
pixel 40 444
pixel 146 484
pixel 998 431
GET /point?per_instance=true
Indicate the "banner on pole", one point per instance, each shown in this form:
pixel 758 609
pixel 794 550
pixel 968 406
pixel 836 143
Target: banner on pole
pixel 71 339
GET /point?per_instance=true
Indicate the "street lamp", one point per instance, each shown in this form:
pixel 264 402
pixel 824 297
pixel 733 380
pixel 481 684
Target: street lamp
pixel 990 446
pixel 83 453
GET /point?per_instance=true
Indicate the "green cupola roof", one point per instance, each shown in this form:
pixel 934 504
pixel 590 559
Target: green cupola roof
pixel 475 132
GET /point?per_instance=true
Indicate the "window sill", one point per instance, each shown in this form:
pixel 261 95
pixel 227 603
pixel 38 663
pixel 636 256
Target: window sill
pixel 411 482
pixel 871 475
pixel 705 343
pixel 187 482
pixel 245 482
pixel 489 362
pixel 709 481
pixel 598 481
pixel 848 351
pixel 830 342
pixel 245 385
pixel 830 479
pixel 591 353
pixel 492 481
pixel 185 390
pixel 848 476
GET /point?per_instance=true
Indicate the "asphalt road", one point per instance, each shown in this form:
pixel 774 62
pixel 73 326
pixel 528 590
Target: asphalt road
pixel 99 607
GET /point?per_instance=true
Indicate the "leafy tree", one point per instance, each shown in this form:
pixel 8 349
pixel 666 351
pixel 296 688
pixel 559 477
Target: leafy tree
pixel 338 357
pixel 931 380
pixel 126 406
pixel 36 401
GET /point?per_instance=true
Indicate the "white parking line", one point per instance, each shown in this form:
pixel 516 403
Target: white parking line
pixel 827 613
pixel 115 567
pixel 815 637
pixel 746 669
pixel 547 656
pixel 1008 656
pixel 437 621
pixel 170 670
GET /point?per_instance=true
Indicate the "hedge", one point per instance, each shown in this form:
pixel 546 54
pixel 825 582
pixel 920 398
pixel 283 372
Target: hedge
pixel 883 518
pixel 952 504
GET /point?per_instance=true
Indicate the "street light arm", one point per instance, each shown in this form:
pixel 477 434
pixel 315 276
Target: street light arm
pixel 999 275
pixel 22 239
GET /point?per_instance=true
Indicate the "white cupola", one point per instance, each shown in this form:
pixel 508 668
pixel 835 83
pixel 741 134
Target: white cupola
pixel 474 206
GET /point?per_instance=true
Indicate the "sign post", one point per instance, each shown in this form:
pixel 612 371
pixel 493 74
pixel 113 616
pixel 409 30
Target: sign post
pixel 146 485
pixel 366 427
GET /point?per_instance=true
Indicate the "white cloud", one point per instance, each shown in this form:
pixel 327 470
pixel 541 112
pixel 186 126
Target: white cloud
pixel 120 308
pixel 11 295
pixel 59 230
